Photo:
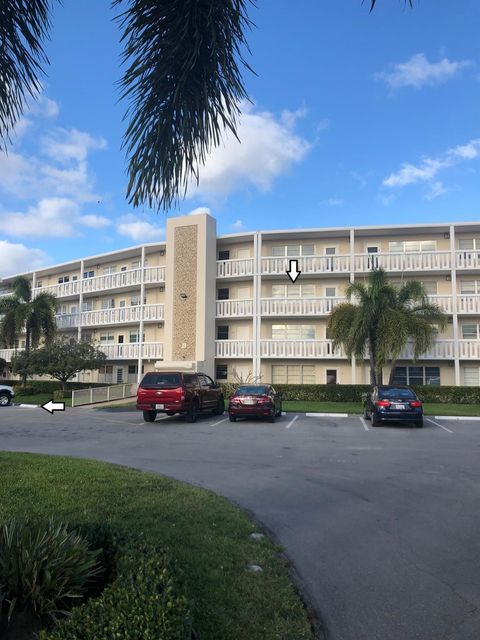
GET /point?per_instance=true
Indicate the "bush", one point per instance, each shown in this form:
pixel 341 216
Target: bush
pixel 354 392
pixel 142 602
pixel 44 567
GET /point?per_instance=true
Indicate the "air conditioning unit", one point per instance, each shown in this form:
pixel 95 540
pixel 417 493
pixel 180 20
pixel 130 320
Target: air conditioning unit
pixel 161 289
pixel 160 325
pixel 162 252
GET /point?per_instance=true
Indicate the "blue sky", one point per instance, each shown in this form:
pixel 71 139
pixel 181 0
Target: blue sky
pixel 357 119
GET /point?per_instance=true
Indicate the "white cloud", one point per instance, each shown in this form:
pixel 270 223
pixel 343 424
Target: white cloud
pixel 65 145
pixel 138 229
pixel 418 72
pixel 17 258
pixel 332 202
pixel 50 217
pixel 429 168
pixel 268 148
pixel 198 210
pixel 238 225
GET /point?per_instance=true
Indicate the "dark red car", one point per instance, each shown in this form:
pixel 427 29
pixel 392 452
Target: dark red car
pixel 260 400
pixel 174 392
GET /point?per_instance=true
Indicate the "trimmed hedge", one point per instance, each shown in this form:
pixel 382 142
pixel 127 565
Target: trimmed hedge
pixel 34 387
pixel 142 600
pixel 354 392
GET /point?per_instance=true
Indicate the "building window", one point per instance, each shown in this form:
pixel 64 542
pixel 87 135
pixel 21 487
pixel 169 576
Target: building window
pixel 108 303
pixel 293 332
pixel 89 274
pixel 136 264
pixel 39 284
pixel 135 336
pixel 430 286
pixel 106 369
pixel 471 377
pixel 74 278
pixel 412 246
pixel 293 291
pixel 330 292
pixel 222 332
pixel 221 371
pixel 107 338
pixel 471 287
pixel 293 374
pixel 87 336
pixel 223 294
pixel 63 279
pixel 469 243
pixel 109 270
pixel 87 306
pixel 470 331
pixel 132 368
pixel 331 376
pixel 293 250
pixel 224 255
pixel 417 375
pixel 136 300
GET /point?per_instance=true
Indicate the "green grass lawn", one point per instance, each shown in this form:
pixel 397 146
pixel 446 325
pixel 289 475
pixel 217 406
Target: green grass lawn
pixel 208 536
pixel 430 408
pixel 39 398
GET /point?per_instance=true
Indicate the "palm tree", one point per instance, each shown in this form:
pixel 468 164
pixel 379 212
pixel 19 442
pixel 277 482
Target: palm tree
pixel 183 82
pixel 21 312
pixel 383 320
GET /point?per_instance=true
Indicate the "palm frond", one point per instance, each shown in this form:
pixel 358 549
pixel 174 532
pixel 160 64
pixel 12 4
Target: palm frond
pixel 24 26
pixel 183 86
pixel 22 289
pixel 374 2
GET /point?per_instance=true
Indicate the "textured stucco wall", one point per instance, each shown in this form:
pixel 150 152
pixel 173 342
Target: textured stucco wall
pixel 185 282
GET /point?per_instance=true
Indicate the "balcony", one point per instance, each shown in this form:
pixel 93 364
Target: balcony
pixel 307 265
pixel 235 268
pixel 299 349
pixel 468 304
pixel 6 354
pixel 233 348
pixel 98 284
pixel 234 308
pixel 399 262
pixel 467 260
pixel 150 350
pixel 102 317
pixel 299 306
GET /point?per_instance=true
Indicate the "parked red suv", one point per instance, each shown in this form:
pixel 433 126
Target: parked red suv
pixel 174 392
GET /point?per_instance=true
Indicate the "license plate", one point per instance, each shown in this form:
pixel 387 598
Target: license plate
pixel 159 406
pixel 398 406
pixel 249 401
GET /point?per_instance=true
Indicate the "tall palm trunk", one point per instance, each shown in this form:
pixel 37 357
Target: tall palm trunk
pixel 372 358
pixel 27 350
pixel 392 371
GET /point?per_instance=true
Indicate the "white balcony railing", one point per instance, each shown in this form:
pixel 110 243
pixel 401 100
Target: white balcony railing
pixel 467 259
pixel 121 315
pixel 310 264
pixel 234 348
pixel 394 262
pixel 299 349
pixel 6 354
pixel 131 351
pixel 469 349
pixel 133 277
pixel 299 306
pixel 234 308
pixel 445 302
pixel 234 268
pixel 468 304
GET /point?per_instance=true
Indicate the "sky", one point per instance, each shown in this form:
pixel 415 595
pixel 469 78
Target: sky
pixel 356 118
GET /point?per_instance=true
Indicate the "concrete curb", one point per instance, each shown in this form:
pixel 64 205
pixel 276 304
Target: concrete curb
pixel 27 406
pixel 457 418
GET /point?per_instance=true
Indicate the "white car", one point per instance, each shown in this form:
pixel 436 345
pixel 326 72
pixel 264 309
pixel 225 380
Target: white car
pixel 6 395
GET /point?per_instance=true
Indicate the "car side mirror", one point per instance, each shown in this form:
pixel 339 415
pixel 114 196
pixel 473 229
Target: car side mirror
pixel 215 385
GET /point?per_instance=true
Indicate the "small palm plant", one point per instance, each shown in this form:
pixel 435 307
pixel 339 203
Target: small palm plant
pixel 383 320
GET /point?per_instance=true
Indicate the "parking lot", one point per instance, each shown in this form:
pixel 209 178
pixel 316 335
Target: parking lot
pixel 381 523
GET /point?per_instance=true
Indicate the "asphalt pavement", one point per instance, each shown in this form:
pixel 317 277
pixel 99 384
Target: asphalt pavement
pixel 382 524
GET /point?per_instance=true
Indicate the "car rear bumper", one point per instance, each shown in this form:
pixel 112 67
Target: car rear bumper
pixel 259 411
pixel 399 416
pixel 166 407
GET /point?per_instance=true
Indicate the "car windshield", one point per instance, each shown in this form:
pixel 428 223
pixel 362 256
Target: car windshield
pixel 394 393
pixel 161 380
pixel 251 390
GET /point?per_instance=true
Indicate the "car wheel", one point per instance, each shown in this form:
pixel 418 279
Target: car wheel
pixel 375 420
pixel 232 418
pixel 366 415
pixel 192 412
pixel 170 413
pixel 419 423
pixel 220 408
pixel 4 399
pixel 279 412
pixel 149 416
pixel 271 417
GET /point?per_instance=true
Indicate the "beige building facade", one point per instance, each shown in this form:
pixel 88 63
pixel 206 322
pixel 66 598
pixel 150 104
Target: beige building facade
pixel 225 304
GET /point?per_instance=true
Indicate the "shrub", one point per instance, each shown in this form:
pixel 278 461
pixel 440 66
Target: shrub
pixel 59 395
pixel 142 602
pixel 355 392
pixel 44 567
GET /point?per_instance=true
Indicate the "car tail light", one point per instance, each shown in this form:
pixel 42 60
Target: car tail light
pixel 264 399
pixel 382 403
pixel 235 400
pixel 415 403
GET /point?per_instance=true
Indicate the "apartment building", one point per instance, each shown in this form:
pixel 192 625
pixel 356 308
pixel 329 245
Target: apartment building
pixel 225 304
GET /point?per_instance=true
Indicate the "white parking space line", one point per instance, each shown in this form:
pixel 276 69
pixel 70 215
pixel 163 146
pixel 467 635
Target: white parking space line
pixel 362 420
pixel 291 422
pixel 438 425
pixel 219 422
pixel 327 415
